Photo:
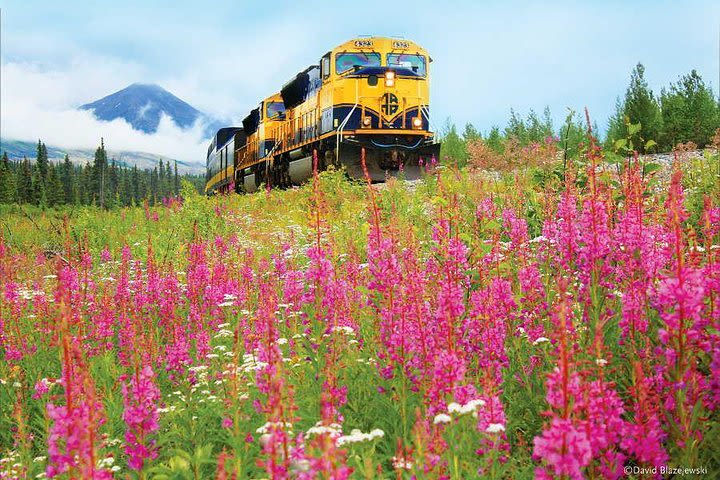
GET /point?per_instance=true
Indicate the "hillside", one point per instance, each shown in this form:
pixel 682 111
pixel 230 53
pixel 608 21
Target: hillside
pixel 16 150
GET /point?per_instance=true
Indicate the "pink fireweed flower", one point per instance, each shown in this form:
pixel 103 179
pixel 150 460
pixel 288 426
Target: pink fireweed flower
pixel 564 448
pixel 105 255
pixel 73 435
pixel 41 388
pixel 140 398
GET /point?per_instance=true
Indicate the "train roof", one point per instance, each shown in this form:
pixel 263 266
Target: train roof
pixel 385 44
pixel 224 135
pixel 293 92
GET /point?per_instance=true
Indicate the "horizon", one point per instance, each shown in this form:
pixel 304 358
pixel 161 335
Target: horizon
pixel 565 55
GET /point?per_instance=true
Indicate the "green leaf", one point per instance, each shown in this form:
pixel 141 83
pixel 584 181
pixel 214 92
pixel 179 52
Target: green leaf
pixel 620 144
pixel 649 144
pixel 492 225
pixel 633 128
pixel 651 167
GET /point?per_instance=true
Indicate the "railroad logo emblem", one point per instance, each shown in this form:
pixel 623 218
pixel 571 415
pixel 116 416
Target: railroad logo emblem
pixel 389 104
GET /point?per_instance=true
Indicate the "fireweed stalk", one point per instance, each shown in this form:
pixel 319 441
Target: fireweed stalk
pixel 680 300
pixel 327 301
pixel 73 437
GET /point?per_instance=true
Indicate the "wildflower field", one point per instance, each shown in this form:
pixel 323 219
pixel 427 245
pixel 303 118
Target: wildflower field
pixel 557 322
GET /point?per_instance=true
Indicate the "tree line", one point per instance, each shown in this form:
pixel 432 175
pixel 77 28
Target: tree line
pixel 684 111
pixel 102 183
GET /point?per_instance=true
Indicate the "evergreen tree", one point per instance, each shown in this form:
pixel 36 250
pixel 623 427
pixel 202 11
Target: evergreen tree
pixel 37 187
pixel 153 194
pixel 168 180
pixel 41 160
pixel 516 128
pixel 113 182
pixel 495 140
pixel 616 125
pixel 135 185
pixel 7 183
pixel 67 178
pixel 452 147
pixel 470 134
pixel 689 112
pixel 641 107
pixel 88 195
pixel 161 180
pixel 573 135
pixel 99 174
pixel 55 194
pixel 537 130
pixel 176 182
pixel 24 182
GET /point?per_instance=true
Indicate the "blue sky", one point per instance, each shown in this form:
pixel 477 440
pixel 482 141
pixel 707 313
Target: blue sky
pixel 223 56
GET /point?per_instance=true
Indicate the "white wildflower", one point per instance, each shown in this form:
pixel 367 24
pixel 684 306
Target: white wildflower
pixel 495 428
pixel 442 418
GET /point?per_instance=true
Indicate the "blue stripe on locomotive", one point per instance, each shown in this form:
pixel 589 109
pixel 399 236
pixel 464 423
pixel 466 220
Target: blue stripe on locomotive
pixel 338 114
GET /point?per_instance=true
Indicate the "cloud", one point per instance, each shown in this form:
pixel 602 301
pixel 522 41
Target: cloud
pixel 39 104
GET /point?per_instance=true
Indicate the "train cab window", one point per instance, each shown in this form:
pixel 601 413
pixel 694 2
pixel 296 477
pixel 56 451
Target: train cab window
pixel 416 63
pixel 275 110
pixel 348 61
pixel 325 66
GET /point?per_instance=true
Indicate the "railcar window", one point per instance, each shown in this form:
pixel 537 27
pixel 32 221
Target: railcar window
pixel 347 61
pixel 416 63
pixel 274 109
pixel 326 66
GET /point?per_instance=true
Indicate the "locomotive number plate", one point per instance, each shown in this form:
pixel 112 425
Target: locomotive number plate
pixel 400 44
pixel 363 43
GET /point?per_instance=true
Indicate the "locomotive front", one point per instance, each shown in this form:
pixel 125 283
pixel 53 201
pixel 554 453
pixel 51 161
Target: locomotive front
pixel 376 95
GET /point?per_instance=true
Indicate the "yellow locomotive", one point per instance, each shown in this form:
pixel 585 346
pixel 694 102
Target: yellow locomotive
pixel 370 93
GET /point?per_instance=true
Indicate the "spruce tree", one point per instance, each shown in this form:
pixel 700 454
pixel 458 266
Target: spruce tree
pixel 176 182
pixel 24 182
pixel 168 180
pixel 7 184
pixel 689 111
pixel 154 186
pixel 641 107
pixel 135 185
pixel 452 148
pixel 99 174
pixel 41 160
pixel 495 140
pixel 37 187
pixel 616 125
pixel 67 178
pixel 516 128
pixel 161 179
pixel 87 184
pixel 53 186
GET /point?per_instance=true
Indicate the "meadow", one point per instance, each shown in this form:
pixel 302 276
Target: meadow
pixel 553 322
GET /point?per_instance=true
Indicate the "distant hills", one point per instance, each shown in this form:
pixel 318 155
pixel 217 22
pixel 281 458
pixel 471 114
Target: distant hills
pixel 18 149
pixel 142 105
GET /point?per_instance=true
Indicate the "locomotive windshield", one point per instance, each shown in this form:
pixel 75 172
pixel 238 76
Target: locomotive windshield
pixel 416 63
pixel 274 109
pixel 348 61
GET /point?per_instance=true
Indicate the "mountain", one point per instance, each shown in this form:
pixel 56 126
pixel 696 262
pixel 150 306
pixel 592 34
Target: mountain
pixel 142 105
pixel 17 149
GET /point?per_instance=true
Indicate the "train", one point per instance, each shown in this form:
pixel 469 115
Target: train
pixel 370 93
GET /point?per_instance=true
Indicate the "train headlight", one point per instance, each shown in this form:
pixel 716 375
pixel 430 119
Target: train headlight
pixel 417 122
pixel 389 78
pixel 366 121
